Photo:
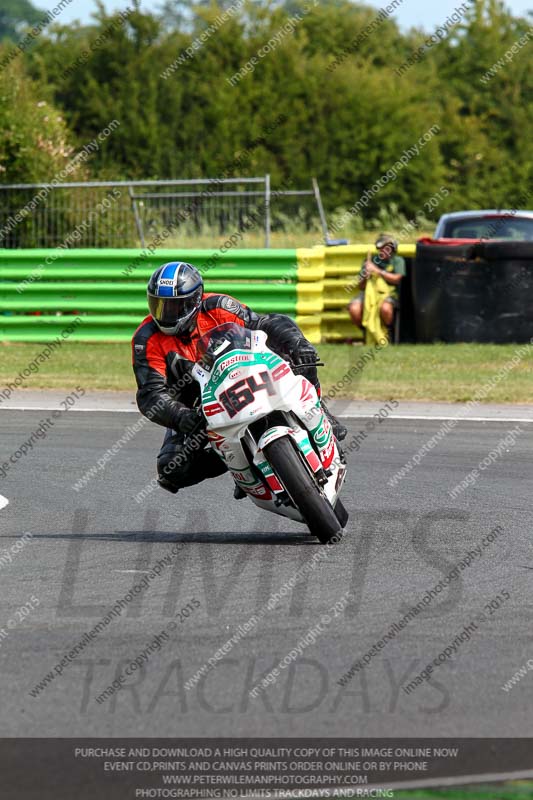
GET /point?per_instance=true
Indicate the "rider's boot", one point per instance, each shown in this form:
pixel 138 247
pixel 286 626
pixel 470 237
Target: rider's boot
pixel 339 430
pixel 238 493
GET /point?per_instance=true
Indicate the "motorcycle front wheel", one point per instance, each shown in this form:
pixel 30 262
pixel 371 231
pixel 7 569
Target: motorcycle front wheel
pixel 295 478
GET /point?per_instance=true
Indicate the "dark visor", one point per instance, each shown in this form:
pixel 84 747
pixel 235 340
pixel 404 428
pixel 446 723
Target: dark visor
pixel 170 310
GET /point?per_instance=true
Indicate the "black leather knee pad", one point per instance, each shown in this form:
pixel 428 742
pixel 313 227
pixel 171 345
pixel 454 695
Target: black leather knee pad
pixel 173 467
pixel 168 485
pixel 183 461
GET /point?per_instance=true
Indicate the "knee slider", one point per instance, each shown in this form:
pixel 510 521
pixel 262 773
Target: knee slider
pixel 164 483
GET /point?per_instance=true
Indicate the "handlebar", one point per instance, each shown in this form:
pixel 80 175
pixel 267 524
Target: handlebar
pixel 300 367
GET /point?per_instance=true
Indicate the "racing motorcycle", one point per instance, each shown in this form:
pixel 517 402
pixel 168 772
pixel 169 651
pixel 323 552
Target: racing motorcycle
pixel 266 422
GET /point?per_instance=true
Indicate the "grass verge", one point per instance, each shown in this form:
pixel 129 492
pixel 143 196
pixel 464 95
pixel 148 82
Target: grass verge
pixel 443 372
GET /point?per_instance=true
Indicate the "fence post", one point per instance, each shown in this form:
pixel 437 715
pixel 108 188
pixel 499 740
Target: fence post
pixel 136 214
pixel 267 210
pixel 321 213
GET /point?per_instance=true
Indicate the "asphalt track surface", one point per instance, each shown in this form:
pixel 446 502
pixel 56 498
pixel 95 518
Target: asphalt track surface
pixel 89 547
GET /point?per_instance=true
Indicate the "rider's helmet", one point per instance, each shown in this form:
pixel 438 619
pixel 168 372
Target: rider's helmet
pixel 174 297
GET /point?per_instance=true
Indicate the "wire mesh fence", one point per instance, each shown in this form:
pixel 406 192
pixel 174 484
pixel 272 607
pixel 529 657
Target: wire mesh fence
pixel 75 215
pixel 195 212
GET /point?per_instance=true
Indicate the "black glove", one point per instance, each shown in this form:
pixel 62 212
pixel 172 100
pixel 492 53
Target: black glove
pixel 303 353
pixel 190 422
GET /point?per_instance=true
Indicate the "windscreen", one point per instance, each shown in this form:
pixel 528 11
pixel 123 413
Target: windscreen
pixel 491 227
pixel 221 340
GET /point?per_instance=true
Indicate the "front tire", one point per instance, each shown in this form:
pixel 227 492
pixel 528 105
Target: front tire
pixel 303 491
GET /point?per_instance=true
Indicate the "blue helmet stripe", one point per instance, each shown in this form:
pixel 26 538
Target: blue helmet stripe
pixel 170 274
pixel 170 270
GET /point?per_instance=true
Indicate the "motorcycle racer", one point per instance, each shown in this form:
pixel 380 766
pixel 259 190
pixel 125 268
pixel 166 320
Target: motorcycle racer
pixel 164 351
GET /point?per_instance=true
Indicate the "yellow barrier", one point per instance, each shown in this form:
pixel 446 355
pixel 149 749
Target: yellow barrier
pixel 311 327
pixel 311 263
pixel 337 326
pixel 310 297
pixel 310 291
pixel 347 259
pixel 327 281
pixel 338 293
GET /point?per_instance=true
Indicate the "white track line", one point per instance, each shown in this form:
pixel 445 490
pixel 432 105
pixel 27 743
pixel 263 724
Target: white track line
pixel 76 410
pixel 129 571
pixel 459 419
pixel 3 501
pixel 362 415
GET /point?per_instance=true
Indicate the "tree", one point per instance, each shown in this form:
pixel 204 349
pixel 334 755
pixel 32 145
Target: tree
pixel 194 97
pixel 35 143
pixel 15 15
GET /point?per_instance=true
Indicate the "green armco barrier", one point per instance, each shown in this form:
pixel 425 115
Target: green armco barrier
pixel 137 265
pixel 113 273
pixel 40 290
pixel 126 255
pixel 94 327
pixel 99 327
pixel 130 298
